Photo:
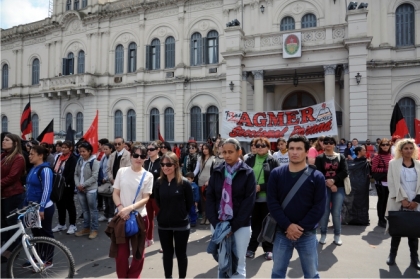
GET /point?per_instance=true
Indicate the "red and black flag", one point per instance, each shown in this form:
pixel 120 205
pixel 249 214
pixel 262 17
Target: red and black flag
pixel 48 134
pixel 398 125
pixel 26 121
pixel 159 135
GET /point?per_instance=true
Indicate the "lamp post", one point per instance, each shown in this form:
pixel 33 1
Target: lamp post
pixel 231 85
pixel 262 9
pixel 358 78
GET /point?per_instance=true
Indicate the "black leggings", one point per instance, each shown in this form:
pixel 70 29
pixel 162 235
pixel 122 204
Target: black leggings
pixel 258 214
pixel 167 238
pixel 383 194
pixel 7 205
pixel 413 244
pixel 67 204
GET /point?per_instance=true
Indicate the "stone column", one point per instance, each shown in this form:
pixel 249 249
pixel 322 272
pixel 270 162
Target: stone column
pixel 244 92
pixel 346 103
pixel 269 89
pixel 329 79
pixel 59 59
pixel 88 53
pixel 258 90
pixel 16 78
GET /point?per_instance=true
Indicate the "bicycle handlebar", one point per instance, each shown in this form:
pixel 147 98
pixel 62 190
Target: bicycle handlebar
pixel 23 210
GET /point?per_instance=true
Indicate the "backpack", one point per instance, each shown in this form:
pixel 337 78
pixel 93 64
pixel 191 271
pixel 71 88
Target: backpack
pixel 59 183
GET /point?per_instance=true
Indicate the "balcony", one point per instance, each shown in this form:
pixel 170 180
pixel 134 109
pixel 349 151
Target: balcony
pixel 68 85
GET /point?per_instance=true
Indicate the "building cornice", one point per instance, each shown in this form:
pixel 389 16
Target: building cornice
pixel 393 64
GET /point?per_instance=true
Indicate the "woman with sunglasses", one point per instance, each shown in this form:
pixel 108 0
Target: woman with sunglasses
pixel 152 165
pixel 404 192
pixel 86 181
pixel 165 147
pixel 334 167
pixel 316 149
pixel 262 164
pixel 174 197
pixel 125 187
pixel 380 164
pixel 190 161
pixel 12 191
pixel 204 165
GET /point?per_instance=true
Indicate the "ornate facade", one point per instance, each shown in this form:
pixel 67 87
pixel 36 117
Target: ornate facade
pixel 173 65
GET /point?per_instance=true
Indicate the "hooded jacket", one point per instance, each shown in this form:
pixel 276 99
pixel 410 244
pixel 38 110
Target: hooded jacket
pixel 90 174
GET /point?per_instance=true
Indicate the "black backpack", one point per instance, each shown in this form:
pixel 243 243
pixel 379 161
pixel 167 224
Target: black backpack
pixel 59 183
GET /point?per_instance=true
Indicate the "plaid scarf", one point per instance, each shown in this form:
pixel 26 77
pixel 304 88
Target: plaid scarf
pixel 226 202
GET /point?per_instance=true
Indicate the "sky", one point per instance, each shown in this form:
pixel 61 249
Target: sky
pixel 15 12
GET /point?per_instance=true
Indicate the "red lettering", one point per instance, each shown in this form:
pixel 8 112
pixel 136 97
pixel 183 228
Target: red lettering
pixel 291 117
pixel 275 120
pixel 257 122
pixel 245 120
pixel 307 115
pixel 274 134
pixel 297 130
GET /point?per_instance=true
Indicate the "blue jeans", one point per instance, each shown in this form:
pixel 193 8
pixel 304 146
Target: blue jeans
pixel 306 246
pixel 90 210
pixel 193 215
pixel 336 199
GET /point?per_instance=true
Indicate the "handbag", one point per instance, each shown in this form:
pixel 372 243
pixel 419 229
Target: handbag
pixel 346 181
pixel 404 223
pixel 131 227
pixel 105 189
pixel 269 225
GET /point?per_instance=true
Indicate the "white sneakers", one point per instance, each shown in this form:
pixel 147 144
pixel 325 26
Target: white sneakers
pixel 149 243
pixel 72 229
pixel 102 218
pixel 59 228
pixel 337 240
pixel 323 239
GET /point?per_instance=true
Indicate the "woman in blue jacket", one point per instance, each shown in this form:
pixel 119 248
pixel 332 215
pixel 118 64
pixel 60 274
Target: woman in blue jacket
pixel 39 184
pixel 236 181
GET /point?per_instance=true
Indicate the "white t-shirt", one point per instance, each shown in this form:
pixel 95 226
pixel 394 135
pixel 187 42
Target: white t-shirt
pixel 127 181
pixel 282 158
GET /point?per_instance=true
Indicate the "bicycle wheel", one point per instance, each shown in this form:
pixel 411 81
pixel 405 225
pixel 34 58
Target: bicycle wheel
pixel 57 260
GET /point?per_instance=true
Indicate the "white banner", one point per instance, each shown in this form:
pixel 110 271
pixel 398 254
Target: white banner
pixel 292 45
pixel 312 122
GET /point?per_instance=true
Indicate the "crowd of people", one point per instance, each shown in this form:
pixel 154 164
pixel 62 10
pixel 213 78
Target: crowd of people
pixel 214 183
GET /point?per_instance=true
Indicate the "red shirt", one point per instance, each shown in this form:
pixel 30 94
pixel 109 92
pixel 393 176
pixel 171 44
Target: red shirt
pixel 11 173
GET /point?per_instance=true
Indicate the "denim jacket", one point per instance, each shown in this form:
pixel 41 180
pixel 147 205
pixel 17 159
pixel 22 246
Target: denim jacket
pixel 224 250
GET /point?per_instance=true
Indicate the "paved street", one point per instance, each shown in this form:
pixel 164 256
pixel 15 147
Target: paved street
pixel 363 254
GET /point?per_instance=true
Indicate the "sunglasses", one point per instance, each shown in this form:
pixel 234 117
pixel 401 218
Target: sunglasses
pixel 118 143
pixel 163 147
pixel 151 149
pixel 260 146
pixel 166 165
pixel 191 148
pixel 136 156
pixel 385 144
pixel 329 142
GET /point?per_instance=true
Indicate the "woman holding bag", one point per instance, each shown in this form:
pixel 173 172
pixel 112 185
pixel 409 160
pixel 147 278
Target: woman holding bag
pixel 126 185
pixel 204 164
pixel 404 191
pixel 105 187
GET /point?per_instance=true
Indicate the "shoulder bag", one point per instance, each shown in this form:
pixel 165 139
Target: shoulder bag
pixel 347 184
pixel 131 227
pixel 269 225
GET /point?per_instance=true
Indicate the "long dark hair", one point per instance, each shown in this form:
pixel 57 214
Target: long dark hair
pixel 17 147
pixel 210 149
pixel 171 157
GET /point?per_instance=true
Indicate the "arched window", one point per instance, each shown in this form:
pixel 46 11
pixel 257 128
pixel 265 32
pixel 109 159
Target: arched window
pixel 68 5
pixel 408 109
pixel 5 76
pixel 308 21
pixel 131 125
pixel 196 123
pixel 404 25
pixel 155 54
pixel 212 47
pixel 132 57
pixel 118 124
pixel 154 124
pixel 169 124
pixel 79 123
pixel 81 62
pixel 170 52
pixel 35 71
pixel 287 23
pixel 70 63
pixel 69 120
pixel 298 100
pixel 212 122
pixel 196 49
pixel 84 3
pixel 119 60
pixel 76 5
pixel 35 126
pixel 4 124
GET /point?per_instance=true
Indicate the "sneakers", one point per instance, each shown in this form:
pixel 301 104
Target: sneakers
pixel 83 232
pixel 337 240
pixel 268 256
pixel 59 228
pixel 102 218
pixel 93 234
pixel 323 239
pixel 72 229
pixel 250 254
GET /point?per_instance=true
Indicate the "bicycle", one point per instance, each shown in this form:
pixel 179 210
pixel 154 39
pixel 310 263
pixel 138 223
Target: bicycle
pixel 36 256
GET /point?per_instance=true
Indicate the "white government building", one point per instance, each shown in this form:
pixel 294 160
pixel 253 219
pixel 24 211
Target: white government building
pixel 174 64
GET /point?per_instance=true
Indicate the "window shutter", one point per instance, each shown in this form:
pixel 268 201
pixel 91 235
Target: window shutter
pixel 200 52
pixel 65 67
pixel 216 41
pixel 192 62
pixel 205 52
pixel 157 57
pixel 148 60
pixel 70 63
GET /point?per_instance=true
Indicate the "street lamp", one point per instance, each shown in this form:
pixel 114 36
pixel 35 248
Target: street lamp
pixel 358 78
pixel 262 9
pixel 231 85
